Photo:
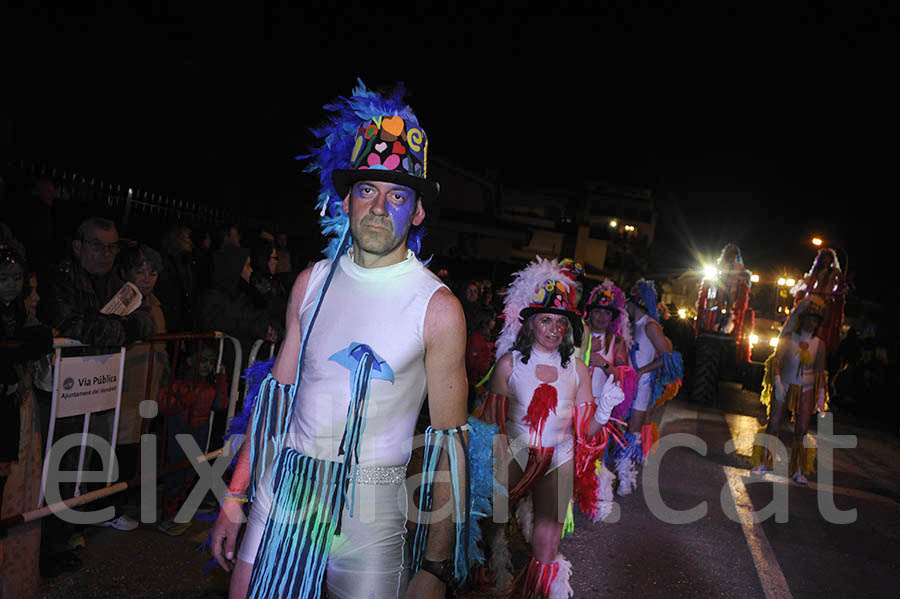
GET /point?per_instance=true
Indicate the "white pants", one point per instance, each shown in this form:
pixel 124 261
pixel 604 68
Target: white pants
pixel 368 559
pixel 644 393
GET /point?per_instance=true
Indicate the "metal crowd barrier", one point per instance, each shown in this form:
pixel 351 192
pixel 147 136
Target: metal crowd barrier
pixel 61 344
pixel 74 395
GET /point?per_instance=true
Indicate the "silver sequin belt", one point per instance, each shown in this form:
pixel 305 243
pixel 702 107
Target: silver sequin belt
pixel 380 475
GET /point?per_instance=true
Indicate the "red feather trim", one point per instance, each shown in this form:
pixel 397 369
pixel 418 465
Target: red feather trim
pixel 493 410
pixel 538 579
pixel 542 403
pixel 539 459
pixel 586 493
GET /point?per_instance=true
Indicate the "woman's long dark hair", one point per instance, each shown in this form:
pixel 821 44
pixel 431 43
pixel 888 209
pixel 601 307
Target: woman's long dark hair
pixel 525 340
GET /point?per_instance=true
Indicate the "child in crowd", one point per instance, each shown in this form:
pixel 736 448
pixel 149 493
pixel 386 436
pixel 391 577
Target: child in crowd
pixel 185 404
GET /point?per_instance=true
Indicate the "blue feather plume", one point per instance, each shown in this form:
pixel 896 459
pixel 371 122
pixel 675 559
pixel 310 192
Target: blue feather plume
pixel 481 482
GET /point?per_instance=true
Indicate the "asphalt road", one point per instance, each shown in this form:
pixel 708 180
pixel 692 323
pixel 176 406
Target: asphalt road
pixel 723 553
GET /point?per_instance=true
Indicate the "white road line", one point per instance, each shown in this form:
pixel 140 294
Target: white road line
pixel 770 575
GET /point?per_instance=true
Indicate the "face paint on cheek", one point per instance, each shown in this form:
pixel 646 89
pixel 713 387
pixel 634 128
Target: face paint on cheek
pixel 400 217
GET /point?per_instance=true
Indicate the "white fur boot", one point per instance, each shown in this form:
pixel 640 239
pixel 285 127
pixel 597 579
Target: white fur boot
pixel 628 473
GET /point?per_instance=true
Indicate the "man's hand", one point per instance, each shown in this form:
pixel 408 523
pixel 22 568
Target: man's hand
pixel 225 533
pixel 425 585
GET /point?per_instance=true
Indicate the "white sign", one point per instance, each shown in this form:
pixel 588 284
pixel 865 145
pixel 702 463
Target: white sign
pixel 88 384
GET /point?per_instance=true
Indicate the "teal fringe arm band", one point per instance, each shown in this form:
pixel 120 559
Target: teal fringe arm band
pixel 472 491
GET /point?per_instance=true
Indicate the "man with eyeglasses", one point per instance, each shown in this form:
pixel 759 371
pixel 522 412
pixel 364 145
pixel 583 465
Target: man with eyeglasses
pixel 81 285
pixel 75 292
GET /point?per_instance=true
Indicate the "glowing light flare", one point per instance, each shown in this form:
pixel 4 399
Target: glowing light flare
pixel 682 313
pixel 754 278
pixel 754 339
pixel 790 282
pixel 781 282
pixel 773 341
pixel 613 224
pixel 816 241
pixel 710 271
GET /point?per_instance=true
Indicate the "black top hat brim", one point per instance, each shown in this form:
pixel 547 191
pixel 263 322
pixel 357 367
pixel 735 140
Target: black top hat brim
pixel 574 319
pixel 344 179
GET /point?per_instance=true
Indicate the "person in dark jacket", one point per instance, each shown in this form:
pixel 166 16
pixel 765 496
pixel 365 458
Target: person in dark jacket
pixel 175 286
pixel 270 293
pixel 227 306
pixel 79 287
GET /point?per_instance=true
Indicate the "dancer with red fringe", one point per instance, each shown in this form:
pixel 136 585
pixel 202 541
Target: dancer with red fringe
pixel 540 396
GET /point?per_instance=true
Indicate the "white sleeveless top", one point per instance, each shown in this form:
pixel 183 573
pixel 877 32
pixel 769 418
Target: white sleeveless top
pixel 598 377
pixel 383 308
pixel 644 350
pixel 558 426
pixel 792 371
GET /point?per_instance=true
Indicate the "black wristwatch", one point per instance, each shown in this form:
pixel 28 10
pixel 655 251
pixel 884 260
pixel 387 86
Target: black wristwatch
pixel 443 571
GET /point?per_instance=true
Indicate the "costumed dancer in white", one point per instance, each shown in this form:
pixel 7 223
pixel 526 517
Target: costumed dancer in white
pixel 541 396
pixel 338 409
pixel 795 379
pixel 656 366
pixel 613 381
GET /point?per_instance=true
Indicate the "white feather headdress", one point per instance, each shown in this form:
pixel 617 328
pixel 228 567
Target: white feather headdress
pixel 520 294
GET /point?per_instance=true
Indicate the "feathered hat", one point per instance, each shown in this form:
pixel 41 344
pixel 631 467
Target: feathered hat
pixel 811 305
pixel 608 296
pixel 643 294
pixel 368 136
pixel 730 247
pixel 822 256
pixel 540 287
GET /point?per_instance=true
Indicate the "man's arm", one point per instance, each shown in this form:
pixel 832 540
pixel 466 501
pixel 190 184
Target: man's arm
pixel 445 369
pixel 225 530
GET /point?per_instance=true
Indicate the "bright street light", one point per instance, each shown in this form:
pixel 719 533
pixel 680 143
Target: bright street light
pixel 613 224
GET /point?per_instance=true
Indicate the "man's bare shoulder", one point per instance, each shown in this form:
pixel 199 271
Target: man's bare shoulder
pixel 444 315
pixel 298 290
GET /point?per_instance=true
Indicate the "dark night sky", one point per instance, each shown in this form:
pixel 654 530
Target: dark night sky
pixel 760 128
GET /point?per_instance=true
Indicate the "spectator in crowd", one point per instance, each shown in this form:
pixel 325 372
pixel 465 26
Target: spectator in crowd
pixel 284 254
pixel 470 304
pixel 227 235
pixel 269 293
pixel 175 287
pixel 202 261
pixel 76 292
pixel 227 306
pixel 479 351
pixel 80 286
pixel 140 265
pixel 20 440
pixel 186 403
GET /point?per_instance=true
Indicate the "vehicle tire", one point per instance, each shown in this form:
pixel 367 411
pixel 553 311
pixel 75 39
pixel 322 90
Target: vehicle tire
pixel 705 387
